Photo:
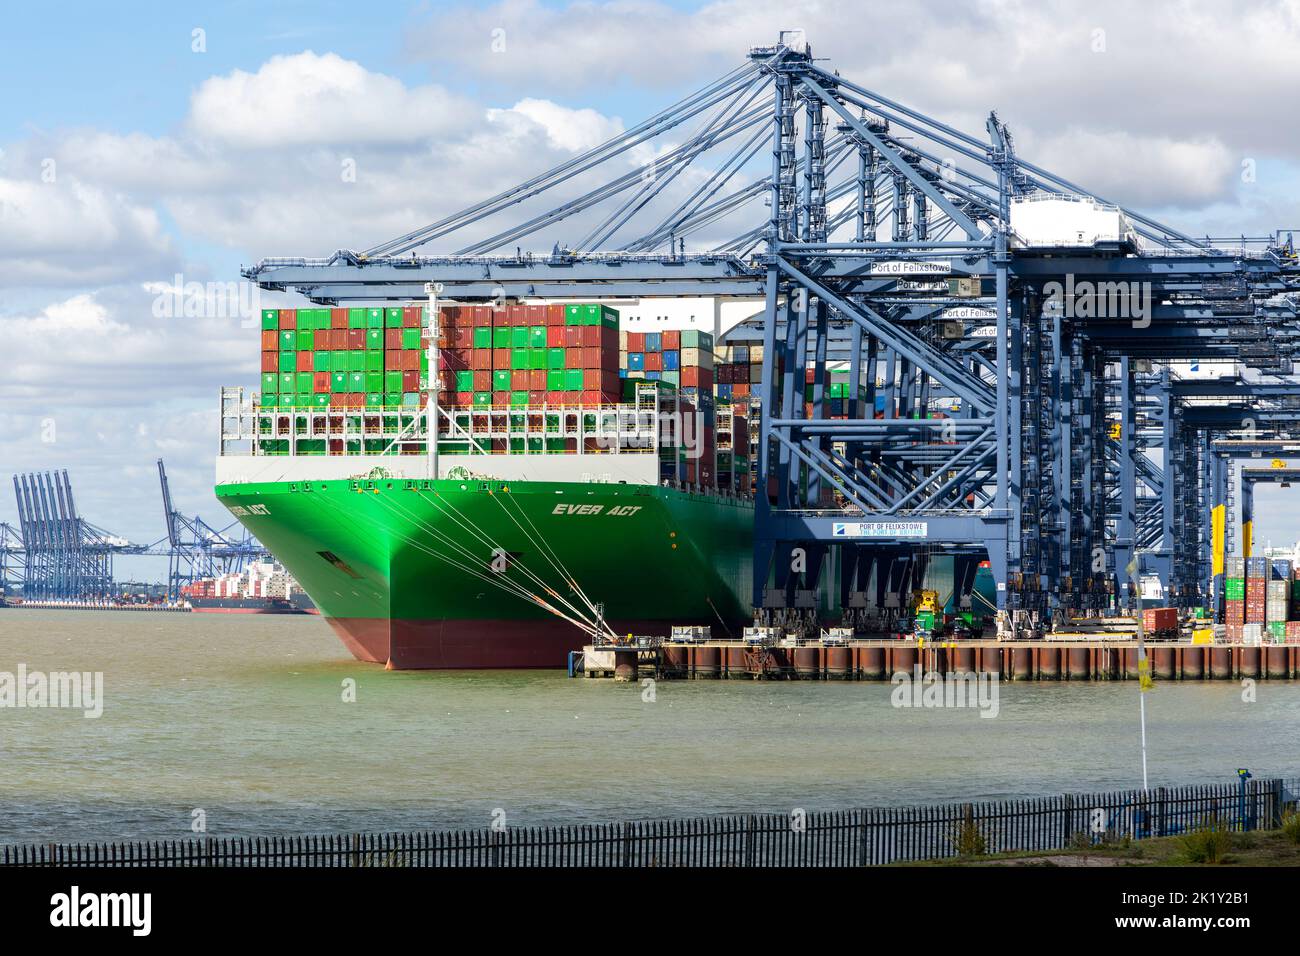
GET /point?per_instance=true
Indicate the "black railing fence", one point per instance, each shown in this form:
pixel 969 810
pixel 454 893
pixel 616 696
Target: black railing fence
pixel 865 837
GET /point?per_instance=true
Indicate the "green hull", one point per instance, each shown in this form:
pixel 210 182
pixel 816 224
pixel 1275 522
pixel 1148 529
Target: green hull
pixel 421 574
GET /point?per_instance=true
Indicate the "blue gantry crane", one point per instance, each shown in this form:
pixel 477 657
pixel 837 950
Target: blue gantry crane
pixel 57 555
pixel 1078 450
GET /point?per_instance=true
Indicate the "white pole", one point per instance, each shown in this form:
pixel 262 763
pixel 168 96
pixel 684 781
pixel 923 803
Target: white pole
pixel 1134 570
pixel 435 380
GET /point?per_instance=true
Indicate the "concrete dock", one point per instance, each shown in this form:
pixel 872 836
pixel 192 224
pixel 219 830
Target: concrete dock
pixel 880 660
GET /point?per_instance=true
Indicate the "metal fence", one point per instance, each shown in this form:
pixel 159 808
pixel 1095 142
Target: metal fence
pixel 864 837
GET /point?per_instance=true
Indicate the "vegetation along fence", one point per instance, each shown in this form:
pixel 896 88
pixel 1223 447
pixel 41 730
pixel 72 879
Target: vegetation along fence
pixel 848 838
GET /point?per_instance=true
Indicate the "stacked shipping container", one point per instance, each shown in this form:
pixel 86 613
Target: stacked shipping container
pixel 1261 597
pixel 342 358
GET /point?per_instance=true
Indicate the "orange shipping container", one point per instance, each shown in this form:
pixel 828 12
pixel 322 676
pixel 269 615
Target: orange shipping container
pixel 270 361
pixel 288 318
pixel 338 318
pixel 270 340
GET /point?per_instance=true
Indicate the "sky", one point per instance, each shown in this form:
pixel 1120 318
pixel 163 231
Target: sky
pixel 157 143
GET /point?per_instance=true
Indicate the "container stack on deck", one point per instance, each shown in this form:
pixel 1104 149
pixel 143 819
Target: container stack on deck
pixel 341 358
pixel 526 355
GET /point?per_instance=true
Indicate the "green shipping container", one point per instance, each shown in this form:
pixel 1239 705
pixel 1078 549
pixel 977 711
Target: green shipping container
pixel 305 321
pixel 573 380
pixel 1234 589
pixel 555 380
pixel 356 318
pixel 375 319
pixel 410 338
pixel 305 383
pixel 393 382
pixel 590 313
pixel 375 382
pixel 338 361
pixel 464 381
pixel 482 398
pixel 519 358
pixel 555 358
pixel 392 318
pixel 519 337
pixel 537 336
pixel 518 398
pixel 288 361
pixel 501 380
pixel 305 342
pixel 320 361
pixel 288 339
pixel 270 319
pixel 501 337
pixel 537 359
pixel 374 399
pixel 374 361
pixel 270 383
pixel 338 381
pixel 482 337
pixel 356 360
pixel 393 399
pixel 695 339
pixel 286 382
pixel 321 399
pixel 375 339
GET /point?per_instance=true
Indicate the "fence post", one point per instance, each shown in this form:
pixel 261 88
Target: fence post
pixel 1067 823
pixel 1160 812
pixel 1275 800
pixel 747 858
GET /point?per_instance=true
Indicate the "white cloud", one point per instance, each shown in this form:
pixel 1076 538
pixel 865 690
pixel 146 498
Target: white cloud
pixel 571 130
pixel 311 99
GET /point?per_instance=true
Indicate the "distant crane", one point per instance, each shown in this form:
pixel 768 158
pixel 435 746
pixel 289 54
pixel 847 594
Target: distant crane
pixel 13 559
pixel 66 557
pixel 196 550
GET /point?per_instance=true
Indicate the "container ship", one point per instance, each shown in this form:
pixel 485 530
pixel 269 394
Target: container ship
pixel 584 480
pixel 262 588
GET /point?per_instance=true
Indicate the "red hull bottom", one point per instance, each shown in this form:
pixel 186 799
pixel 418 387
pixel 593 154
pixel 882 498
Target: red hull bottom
pixel 468 645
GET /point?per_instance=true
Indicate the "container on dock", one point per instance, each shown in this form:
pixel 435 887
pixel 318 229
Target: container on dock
pixel 763 636
pixel 1159 620
pixel 1257 568
pixel 1234 566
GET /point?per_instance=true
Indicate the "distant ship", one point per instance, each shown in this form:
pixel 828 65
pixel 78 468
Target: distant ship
pixel 263 588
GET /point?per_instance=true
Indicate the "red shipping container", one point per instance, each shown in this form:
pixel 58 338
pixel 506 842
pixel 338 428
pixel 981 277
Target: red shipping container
pixel 393 340
pixel 270 361
pixel 609 338
pixel 321 382
pixel 320 340
pixel 654 362
pixel 537 379
pixel 573 337
pixel 480 315
pixel 338 318
pixel 270 340
pixel 636 341
pixel 482 380
pixel 740 391
pixel 535 314
pixel 462 338
pixel 501 358
pixel 338 400
pixel 592 398
pixel 288 318
pixel 592 380
pixel 480 359
pixel 411 380
pixel 463 398
pixel 338 339
pixel 411 359
pixel 573 357
pixel 590 336
pixel 356 339
pixel 537 397
pixel 516 315
pixel 500 317
pixel 304 361
pixel 554 337
pixel 519 379
pixel 500 398
pixel 671 341
pixel 455 359
pixel 1156 620
pixel 411 316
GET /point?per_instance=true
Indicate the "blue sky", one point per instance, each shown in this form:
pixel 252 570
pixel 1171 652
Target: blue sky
pixel 171 161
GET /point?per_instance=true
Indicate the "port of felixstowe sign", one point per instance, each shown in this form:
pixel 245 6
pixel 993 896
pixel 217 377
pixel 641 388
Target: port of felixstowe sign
pixel 880 529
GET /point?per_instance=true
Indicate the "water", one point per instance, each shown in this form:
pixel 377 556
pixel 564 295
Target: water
pixel 243 718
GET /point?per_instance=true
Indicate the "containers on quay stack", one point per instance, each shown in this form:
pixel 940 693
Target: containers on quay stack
pixel 1261 600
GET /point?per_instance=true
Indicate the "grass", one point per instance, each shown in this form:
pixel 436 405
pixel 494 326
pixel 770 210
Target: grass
pixel 1206 846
